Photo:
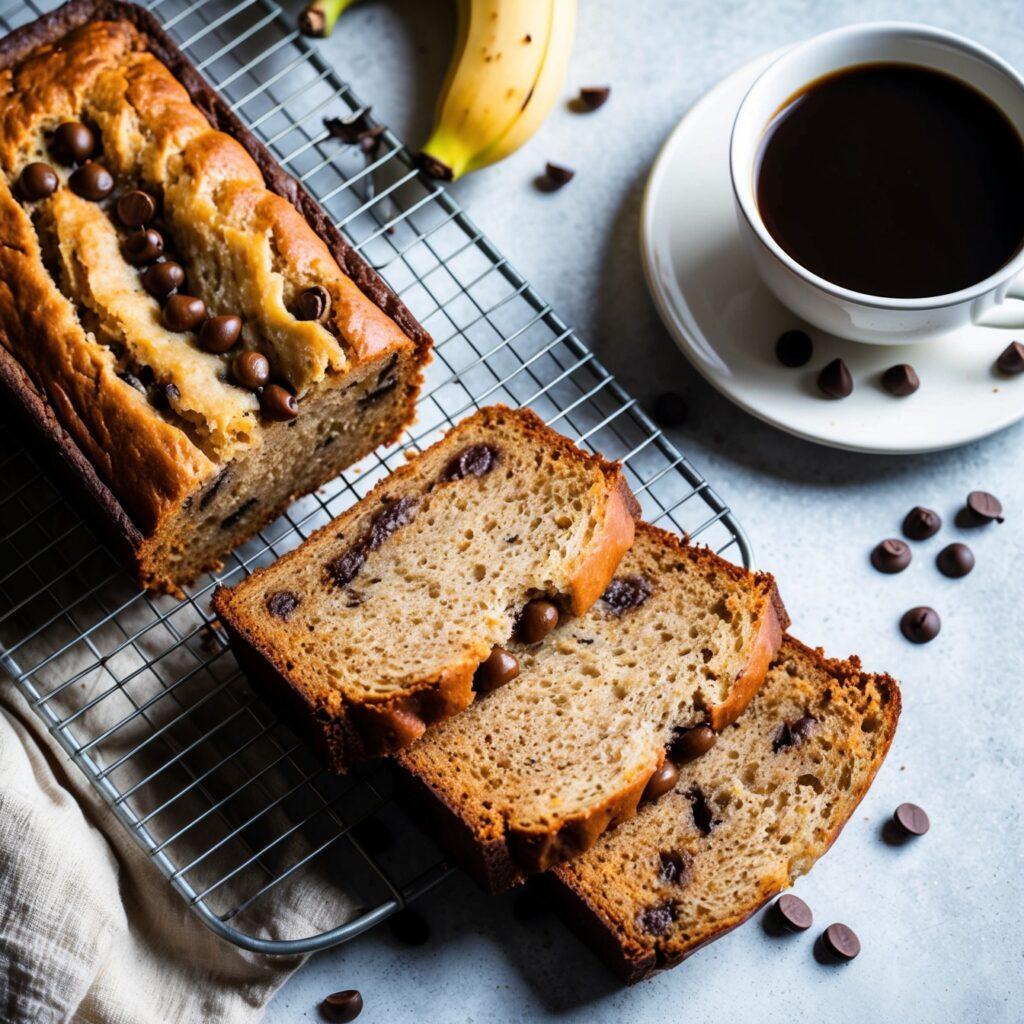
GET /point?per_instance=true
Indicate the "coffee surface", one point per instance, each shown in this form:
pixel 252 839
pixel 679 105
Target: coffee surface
pixel 893 180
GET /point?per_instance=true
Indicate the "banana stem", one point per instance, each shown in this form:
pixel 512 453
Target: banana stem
pixel 319 17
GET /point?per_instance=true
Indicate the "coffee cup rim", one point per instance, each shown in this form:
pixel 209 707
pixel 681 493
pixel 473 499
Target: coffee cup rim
pixel 746 199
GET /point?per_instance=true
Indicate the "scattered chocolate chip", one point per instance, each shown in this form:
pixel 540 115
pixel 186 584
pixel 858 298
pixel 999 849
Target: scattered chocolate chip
pixel 500 667
pixel 626 592
pixel 37 181
pixel 594 97
pixel 658 919
pixel 1011 359
pixel 556 177
pixel 689 744
pixel 163 278
pixel 661 782
pixel 343 1006
pixel 348 131
pixel 921 624
pixel 476 460
pixel 220 334
pixel 702 816
pixel 282 603
pixel 670 409
pixel 911 820
pixel 313 304
pixel 891 555
pixel 538 618
pixel 794 348
pixel 395 515
pixel 236 517
pixel 278 404
pixel 341 571
pixel 792 734
pixel 901 380
pixel 955 560
pixel 792 913
pixel 136 208
pixel 73 142
pixel 409 927
pixel 92 181
pixel 251 369
pixel 675 867
pixel 835 380
pixel 921 523
pixel 143 246
pixel 840 942
pixel 184 313
pixel 984 507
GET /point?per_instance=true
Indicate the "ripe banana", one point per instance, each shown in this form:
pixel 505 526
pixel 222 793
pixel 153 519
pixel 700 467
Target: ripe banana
pixel 509 63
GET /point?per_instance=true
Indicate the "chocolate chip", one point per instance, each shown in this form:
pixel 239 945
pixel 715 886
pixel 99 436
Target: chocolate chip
pixel 211 492
pixel 792 734
pixel 556 177
pixel 891 555
pixel 92 181
pixel 702 816
pixel 538 618
pixel 236 517
pixel 840 942
pixel 348 131
pixel 794 348
pixel 955 560
pixel 73 142
pixel 136 208
pixel 143 246
pixel 911 820
pixel 341 571
pixel 278 404
pixel 476 460
pixel 984 507
pixel 184 313
pixel 163 278
pixel 835 380
pixel 661 782
pixel 343 1006
pixel 500 667
pixel 409 927
pixel 220 333
pixel 1011 359
pixel 312 304
pixel 901 380
pixel 670 409
pixel 251 369
pixel 656 920
pixel 921 523
pixel 282 603
pixel 689 744
pixel 792 913
pixel 37 181
pixel 921 624
pixel 594 97
pixel 675 867
pixel 379 392
pixel 395 515
pixel 626 592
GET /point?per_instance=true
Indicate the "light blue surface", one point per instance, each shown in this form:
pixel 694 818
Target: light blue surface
pixel 940 919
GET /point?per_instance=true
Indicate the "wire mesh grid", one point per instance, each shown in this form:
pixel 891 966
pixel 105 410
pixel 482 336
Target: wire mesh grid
pixel 140 690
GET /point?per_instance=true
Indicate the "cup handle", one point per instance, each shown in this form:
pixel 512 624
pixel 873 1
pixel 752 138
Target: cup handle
pixel 1008 309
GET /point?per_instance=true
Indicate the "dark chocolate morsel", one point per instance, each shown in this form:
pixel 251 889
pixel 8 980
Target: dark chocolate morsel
pixel 136 208
pixel 911 820
pixel 500 667
pixel 984 507
pixel 792 913
pixel 537 619
pixel 278 404
pixel 891 555
pixel 37 181
pixel 161 279
pixel 282 603
pixel 556 176
pixel 921 624
pixel 656 920
pixel 626 592
pixel 835 380
pixel 220 333
pixel 689 744
pixel 901 380
pixel 476 460
pixel 92 181
pixel 841 942
pixel 184 313
pixel 1011 359
pixel 670 409
pixel 73 142
pixel 251 369
pixel 312 304
pixel 343 1006
pixel 675 867
pixel 593 97
pixel 955 560
pixel 794 348
pixel 702 816
pixel 662 781
pixel 921 523
pixel 143 246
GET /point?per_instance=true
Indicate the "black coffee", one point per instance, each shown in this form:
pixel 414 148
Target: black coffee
pixel 893 180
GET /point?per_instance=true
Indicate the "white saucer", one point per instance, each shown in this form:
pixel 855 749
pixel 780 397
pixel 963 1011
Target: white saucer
pixel 726 322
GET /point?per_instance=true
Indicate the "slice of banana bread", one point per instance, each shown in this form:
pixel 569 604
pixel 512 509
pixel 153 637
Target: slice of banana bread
pixel 741 823
pixel 598 713
pixel 377 623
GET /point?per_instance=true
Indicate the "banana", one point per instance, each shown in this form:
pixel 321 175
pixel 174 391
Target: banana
pixel 507 68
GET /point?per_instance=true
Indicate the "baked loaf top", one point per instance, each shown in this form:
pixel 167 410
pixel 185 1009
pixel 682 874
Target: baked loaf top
pixel 74 310
pixel 742 822
pixel 379 621
pixel 533 773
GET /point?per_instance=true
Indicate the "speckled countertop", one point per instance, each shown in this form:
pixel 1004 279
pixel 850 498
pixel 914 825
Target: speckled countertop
pixel 939 919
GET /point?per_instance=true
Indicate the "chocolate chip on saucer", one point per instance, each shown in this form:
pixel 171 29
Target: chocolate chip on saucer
pixel 343 1006
pixel 556 177
pixel 1011 359
pixel 921 624
pixel 593 97
pixel 841 942
pixel 901 380
pixel 891 555
pixel 670 409
pixel 982 508
pixel 911 820
pixel 920 523
pixel 835 380
pixel 792 913
pixel 955 560
pixel 794 348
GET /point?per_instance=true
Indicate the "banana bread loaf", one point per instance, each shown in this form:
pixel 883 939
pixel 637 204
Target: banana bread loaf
pixel 180 323
pixel 599 713
pixel 741 823
pixel 374 627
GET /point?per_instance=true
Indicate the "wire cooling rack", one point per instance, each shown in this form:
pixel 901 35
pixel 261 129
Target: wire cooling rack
pixel 140 690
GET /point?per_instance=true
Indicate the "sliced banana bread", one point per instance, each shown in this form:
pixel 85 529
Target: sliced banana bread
pixel 741 823
pixel 598 713
pixel 377 623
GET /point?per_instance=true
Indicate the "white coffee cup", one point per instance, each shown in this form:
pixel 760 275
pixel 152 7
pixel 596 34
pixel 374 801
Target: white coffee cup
pixel 838 310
